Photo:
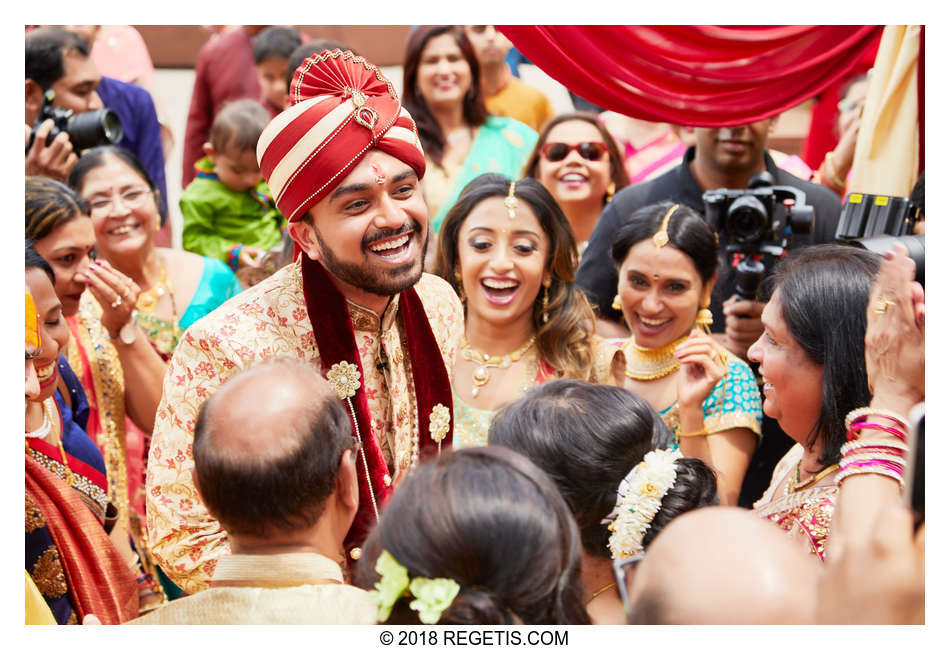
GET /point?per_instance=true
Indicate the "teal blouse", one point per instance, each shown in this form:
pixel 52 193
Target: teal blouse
pixel 734 402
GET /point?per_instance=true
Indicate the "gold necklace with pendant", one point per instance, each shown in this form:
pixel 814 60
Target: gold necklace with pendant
pixel 480 376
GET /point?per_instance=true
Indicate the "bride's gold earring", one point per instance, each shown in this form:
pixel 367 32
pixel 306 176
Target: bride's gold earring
pixel 458 281
pixel 616 304
pixel 611 190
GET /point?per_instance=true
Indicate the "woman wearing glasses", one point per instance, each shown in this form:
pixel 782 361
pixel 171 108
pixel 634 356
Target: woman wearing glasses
pixel 170 289
pixel 580 165
pixel 140 300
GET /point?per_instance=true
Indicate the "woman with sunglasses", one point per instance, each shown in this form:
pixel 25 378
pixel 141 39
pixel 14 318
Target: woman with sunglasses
pixel 441 90
pixel 578 162
pixel 507 250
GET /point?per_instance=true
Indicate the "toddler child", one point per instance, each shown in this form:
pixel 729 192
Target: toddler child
pixel 227 209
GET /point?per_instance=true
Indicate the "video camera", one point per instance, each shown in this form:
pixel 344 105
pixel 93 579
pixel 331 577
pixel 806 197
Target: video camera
pixel 875 223
pixel 757 222
pixel 86 130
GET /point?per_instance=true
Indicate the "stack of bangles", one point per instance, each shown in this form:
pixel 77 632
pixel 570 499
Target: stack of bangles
pixel 884 457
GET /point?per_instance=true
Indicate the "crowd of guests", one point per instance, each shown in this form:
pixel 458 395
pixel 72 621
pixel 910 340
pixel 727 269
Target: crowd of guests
pixel 570 418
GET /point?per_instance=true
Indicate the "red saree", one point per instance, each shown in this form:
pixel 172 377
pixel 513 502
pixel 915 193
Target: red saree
pixel 99 581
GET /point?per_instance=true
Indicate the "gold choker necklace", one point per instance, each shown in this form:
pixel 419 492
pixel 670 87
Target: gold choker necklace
pixel 480 376
pixel 647 364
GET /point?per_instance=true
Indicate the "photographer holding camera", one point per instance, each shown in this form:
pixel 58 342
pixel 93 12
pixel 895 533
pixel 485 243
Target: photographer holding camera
pixel 726 157
pixel 67 97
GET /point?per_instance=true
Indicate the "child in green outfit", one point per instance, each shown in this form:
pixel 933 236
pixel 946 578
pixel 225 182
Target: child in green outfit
pixel 227 209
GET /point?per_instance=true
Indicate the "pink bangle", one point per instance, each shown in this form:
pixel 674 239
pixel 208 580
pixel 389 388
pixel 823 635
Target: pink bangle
pixel 874 462
pixel 843 474
pixel 861 414
pixel 858 426
pixel 878 451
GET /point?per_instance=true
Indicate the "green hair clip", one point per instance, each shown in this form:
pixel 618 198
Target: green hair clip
pixel 432 595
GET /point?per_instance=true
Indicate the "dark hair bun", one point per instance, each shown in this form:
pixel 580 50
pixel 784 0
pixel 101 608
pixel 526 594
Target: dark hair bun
pixel 474 606
pixel 694 487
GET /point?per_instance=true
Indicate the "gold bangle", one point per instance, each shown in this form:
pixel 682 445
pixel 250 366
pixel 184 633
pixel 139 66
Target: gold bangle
pixel 701 432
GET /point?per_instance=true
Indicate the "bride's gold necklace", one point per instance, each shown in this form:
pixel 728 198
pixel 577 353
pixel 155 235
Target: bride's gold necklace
pixel 646 364
pixel 480 376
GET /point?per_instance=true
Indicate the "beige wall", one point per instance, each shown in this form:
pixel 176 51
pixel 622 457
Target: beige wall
pixel 176 46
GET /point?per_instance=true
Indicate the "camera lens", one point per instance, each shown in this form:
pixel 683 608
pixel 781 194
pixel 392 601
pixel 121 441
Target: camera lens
pixel 94 128
pixel 746 219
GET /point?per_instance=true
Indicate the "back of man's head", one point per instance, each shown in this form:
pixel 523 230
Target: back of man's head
pixel 268 447
pixel 45 49
pixel 724 566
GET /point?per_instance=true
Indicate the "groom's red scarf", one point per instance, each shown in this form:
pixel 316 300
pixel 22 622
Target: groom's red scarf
pixel 333 331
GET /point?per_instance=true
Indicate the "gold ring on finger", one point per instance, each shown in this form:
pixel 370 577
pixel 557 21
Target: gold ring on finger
pixel 118 301
pixel 882 304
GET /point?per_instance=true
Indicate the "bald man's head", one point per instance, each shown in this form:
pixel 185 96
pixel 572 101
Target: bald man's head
pixel 268 446
pixel 724 566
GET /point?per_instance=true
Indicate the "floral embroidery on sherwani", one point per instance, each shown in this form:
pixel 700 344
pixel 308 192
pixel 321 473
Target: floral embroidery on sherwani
pixel 268 321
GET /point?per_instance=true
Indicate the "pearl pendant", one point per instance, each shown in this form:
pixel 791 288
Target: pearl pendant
pixel 480 375
pixel 475 392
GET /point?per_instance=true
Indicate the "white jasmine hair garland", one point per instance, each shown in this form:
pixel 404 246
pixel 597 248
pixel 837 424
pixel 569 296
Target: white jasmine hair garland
pixel 638 500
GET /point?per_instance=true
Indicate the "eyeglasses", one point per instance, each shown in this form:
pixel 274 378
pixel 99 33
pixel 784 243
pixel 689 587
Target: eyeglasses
pixel 133 198
pixel 557 151
pixel 622 568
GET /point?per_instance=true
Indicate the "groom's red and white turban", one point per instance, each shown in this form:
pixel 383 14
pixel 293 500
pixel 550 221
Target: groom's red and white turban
pixel 342 106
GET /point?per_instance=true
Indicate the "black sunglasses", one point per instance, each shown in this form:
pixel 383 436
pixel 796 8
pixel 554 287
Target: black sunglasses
pixel 557 151
pixel 621 568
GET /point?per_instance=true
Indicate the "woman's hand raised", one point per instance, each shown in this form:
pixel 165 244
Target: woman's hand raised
pixel 894 342
pixel 702 365
pixel 115 292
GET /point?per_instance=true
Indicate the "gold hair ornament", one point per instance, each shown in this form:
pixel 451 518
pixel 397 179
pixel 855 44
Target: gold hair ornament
pixel 510 201
pixel 662 236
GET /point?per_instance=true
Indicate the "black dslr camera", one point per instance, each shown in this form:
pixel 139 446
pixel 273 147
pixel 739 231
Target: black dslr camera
pixel 756 222
pixel 876 222
pixel 86 130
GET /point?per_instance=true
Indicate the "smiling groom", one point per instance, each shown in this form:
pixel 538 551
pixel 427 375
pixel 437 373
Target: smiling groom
pixel 344 164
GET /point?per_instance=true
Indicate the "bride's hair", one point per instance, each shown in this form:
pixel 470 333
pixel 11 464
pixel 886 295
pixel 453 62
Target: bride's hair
pixel 490 520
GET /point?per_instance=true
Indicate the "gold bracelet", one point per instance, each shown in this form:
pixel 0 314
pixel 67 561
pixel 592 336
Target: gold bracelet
pixel 701 432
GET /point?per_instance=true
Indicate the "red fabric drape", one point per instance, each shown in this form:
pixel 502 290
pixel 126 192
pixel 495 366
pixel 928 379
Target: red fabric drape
pixel 694 75
pixel 99 581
